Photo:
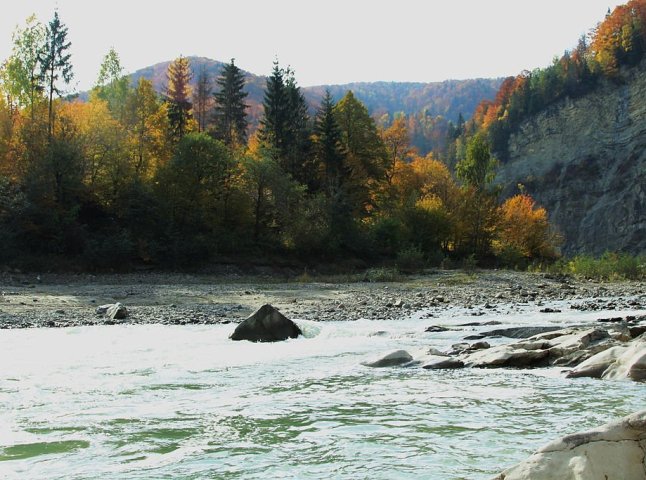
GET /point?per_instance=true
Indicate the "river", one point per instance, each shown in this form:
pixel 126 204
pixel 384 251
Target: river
pixel 184 402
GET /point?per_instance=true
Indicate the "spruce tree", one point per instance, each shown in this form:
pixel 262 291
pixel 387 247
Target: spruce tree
pixel 273 124
pixel 284 127
pixel 230 108
pixel 55 64
pixel 178 94
pixel 328 151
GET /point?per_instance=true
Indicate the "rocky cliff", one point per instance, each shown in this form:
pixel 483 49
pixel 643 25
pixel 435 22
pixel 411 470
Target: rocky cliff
pixel 585 161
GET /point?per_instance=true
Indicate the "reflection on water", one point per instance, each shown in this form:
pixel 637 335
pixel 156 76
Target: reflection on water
pixel 141 402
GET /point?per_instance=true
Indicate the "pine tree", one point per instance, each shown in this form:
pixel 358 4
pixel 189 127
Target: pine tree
pixel 230 108
pixel 202 99
pixel 55 64
pixel 284 127
pixel 273 124
pixel 178 94
pixel 328 151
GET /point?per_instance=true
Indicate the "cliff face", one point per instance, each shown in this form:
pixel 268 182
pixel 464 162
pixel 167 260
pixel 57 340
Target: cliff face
pixel 585 161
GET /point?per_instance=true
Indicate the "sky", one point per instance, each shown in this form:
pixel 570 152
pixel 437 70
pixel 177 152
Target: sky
pixel 325 41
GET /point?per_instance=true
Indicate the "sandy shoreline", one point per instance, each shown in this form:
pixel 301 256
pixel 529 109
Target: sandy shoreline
pixel 28 301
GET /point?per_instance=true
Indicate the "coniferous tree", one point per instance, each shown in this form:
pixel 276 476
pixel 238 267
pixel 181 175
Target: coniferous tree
pixel 55 63
pixel 230 108
pixel 202 99
pixel 178 94
pixel 273 124
pixel 285 125
pixel 328 151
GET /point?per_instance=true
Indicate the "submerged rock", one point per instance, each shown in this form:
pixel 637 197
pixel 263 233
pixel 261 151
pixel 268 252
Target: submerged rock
pixel 391 359
pixel 612 451
pixel 266 324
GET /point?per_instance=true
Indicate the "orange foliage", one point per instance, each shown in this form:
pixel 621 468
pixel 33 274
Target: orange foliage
pixel 524 228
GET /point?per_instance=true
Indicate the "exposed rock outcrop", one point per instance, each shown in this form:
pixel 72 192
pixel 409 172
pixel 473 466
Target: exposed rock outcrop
pixel 613 451
pixel 266 324
pixel 584 160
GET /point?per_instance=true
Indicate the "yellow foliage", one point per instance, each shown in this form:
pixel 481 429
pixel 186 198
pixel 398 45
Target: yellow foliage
pixel 524 228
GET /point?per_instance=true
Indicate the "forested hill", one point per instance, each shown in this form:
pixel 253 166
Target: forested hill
pixel 448 98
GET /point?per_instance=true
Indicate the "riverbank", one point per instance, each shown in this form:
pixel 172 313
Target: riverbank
pixel 28 301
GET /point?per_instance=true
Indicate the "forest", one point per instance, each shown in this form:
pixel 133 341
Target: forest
pixel 133 177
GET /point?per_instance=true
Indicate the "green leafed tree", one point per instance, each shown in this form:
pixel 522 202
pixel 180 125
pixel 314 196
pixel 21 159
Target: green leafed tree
pixel 112 85
pixel 478 167
pixel 21 72
pixel 55 63
pixel 230 108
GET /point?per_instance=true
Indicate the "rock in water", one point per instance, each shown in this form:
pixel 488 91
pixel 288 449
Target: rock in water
pixel 391 359
pixel 612 451
pixel 117 311
pixel 266 325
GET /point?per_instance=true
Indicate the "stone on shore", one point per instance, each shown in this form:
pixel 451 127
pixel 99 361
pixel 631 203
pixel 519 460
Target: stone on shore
pixel 613 451
pixel 115 311
pixel 391 359
pixel 266 324
pixel 623 362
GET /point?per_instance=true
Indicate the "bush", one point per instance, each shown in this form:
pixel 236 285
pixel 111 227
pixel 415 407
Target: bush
pixel 114 251
pixel 610 266
pixel 411 259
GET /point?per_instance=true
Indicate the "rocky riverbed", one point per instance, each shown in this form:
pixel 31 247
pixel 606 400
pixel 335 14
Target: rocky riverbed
pixel 71 300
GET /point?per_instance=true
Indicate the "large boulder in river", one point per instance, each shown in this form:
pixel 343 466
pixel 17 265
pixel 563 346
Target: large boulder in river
pixel 266 325
pixel 614 451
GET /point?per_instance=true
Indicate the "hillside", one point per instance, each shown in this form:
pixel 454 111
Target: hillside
pixel 584 159
pixel 448 98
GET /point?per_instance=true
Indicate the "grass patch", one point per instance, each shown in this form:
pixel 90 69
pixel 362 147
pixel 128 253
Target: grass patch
pixel 610 266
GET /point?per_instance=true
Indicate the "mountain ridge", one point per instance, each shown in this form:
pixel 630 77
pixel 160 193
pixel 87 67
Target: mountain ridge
pixel 447 98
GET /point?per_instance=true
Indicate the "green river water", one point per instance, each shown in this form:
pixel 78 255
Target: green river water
pixel 184 402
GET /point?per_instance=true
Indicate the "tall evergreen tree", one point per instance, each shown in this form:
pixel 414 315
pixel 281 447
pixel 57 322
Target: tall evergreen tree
pixel 285 125
pixel 202 99
pixel 55 64
pixel 328 151
pixel 273 124
pixel 178 94
pixel 230 108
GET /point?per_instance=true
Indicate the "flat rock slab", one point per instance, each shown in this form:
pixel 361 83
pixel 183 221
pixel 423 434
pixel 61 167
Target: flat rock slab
pixel 614 451
pixel 520 332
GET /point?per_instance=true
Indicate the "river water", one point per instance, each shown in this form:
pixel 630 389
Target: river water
pixel 184 402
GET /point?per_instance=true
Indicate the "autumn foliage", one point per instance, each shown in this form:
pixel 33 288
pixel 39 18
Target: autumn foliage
pixel 131 176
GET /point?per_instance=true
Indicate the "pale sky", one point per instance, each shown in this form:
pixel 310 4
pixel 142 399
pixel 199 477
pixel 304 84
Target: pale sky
pixel 325 42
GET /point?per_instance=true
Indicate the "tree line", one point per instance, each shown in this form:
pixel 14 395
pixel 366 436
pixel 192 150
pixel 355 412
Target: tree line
pixel 132 176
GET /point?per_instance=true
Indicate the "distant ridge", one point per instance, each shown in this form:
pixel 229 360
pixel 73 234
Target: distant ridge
pixel 448 98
